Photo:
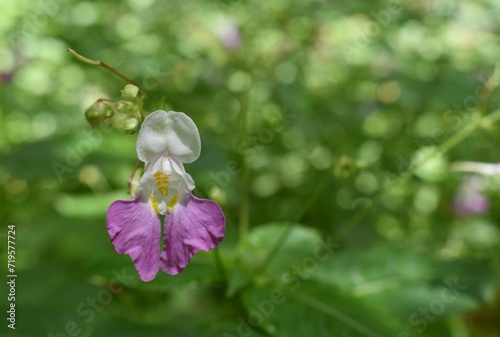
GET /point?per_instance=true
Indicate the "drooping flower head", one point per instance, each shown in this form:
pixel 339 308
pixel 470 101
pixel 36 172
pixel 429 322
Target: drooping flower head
pixel 166 141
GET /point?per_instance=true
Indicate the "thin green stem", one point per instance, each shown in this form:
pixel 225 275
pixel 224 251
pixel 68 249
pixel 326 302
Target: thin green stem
pixel 219 264
pixel 105 66
pixel 245 204
pixel 451 142
pixel 244 216
pixel 444 147
pixel 488 88
pixel 489 120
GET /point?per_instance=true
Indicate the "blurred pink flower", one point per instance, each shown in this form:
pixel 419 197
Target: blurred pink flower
pixel 470 198
pixel 230 35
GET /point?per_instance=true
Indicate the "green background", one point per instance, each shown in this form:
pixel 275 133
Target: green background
pixel 323 124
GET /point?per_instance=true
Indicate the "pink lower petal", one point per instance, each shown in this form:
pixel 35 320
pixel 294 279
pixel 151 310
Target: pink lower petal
pixel 134 229
pixel 193 225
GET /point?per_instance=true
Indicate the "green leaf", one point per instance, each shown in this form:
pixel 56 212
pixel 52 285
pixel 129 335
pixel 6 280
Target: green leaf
pixel 479 278
pixel 414 300
pixel 404 282
pixel 374 270
pixel 232 329
pixel 279 247
pixel 305 308
pixel 86 205
pixel 123 328
pixel 269 252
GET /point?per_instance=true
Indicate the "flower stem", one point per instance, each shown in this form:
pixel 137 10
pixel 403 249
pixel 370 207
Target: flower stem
pixel 220 264
pixel 488 87
pixel 244 216
pixel 245 204
pixel 105 66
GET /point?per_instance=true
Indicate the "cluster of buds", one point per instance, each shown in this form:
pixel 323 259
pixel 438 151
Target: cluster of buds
pixel 125 114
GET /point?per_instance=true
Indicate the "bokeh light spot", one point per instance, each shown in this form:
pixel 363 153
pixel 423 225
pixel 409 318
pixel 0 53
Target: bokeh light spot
pixel 286 72
pixel 389 92
pixel 85 14
pixel 239 81
pixel 366 182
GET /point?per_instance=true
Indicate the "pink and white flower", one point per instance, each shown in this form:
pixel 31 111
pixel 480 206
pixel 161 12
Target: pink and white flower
pixel 166 141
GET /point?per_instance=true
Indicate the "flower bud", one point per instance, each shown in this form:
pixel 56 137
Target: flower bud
pixel 97 113
pixel 344 167
pixel 130 125
pixel 129 93
pixel 133 184
pixel 125 106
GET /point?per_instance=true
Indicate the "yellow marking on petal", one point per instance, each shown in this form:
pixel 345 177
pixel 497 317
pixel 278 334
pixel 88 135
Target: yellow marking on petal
pixel 154 204
pixel 173 202
pixel 162 182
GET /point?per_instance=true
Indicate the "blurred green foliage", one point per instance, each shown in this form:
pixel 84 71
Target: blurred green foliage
pixel 330 130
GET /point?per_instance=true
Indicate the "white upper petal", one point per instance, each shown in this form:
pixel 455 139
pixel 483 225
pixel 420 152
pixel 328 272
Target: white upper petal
pixel 171 133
